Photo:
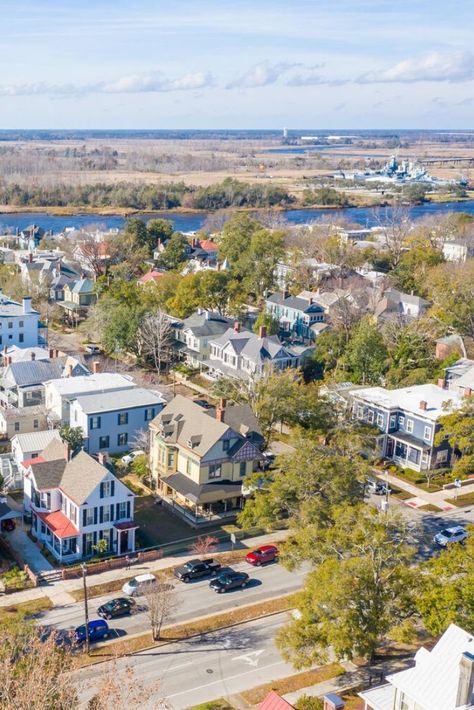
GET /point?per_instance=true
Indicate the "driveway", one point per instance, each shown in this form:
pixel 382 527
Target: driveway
pixel 28 551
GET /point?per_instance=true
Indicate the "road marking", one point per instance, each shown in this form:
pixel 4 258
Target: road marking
pixel 250 658
pixel 222 680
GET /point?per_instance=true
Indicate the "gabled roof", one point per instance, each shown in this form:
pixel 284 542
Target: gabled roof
pixel 83 286
pixel 59 524
pixel 34 372
pixel 206 323
pixel 36 440
pixel 305 305
pixel 208 245
pixel 151 276
pixel 273 701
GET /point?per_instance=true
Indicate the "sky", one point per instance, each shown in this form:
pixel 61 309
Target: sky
pixel 237 64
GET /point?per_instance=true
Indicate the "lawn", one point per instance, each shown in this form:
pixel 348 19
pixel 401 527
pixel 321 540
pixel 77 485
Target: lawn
pixel 461 501
pixel 25 609
pixel 292 683
pixel 429 508
pixel 219 704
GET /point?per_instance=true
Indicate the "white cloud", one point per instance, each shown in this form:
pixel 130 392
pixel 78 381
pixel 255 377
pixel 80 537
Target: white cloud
pixel 261 74
pixel 436 66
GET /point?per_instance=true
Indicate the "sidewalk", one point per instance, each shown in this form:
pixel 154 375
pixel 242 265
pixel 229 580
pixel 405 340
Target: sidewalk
pixel 421 497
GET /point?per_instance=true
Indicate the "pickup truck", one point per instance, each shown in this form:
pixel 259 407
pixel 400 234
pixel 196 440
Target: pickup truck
pixel 195 569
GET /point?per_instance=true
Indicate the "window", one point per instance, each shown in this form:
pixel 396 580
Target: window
pixel 170 459
pixel 17 426
pixel 370 416
pixel 10 324
pixel 106 489
pixel 34 456
pixel 89 518
pixel 149 414
pixel 409 425
pixel 393 421
pixel 21 324
pixel 427 433
pixel 122 439
pixel 379 419
pixel 94 423
pixel 189 465
pixel 88 542
pixel 242 469
pixel 10 337
pixel 123 418
pixel 35 423
pixel 104 442
pixel 21 337
pixel 360 412
pixel 442 456
pixel 107 513
pixel 122 510
pixel 225 445
pixel 73 513
pixel 401 420
pixel 106 535
pixel 215 471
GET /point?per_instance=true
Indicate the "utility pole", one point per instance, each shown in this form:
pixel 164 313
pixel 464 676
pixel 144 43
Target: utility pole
pixel 86 606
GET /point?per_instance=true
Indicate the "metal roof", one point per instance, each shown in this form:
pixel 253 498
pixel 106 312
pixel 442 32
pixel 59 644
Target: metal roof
pixel 109 402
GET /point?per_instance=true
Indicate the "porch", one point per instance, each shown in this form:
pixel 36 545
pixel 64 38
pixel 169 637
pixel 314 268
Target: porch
pixel 408 452
pixel 58 533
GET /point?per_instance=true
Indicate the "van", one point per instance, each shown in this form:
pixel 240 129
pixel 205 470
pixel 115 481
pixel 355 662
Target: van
pixel 98 630
pixel 137 585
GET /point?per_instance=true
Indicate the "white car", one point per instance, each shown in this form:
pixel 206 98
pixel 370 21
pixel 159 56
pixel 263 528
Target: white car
pixel 138 584
pixel 128 458
pixel 446 537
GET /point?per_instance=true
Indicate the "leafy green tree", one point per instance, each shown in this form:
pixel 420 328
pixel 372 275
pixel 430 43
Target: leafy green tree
pixel 415 264
pixel 366 355
pixel 363 587
pixel 411 352
pixel 215 290
pixel 158 230
pixel 174 253
pixel 457 428
pixel 186 298
pixel 266 319
pixel 451 288
pixel 136 229
pixel 74 436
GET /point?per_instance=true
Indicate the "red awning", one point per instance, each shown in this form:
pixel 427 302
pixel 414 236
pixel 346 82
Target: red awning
pixel 58 524
pixel 273 701
pixel 126 526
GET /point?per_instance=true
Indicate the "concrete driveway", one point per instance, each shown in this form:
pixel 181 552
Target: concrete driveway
pixel 28 551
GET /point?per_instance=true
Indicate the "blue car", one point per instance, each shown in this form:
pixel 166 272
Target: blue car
pixel 98 630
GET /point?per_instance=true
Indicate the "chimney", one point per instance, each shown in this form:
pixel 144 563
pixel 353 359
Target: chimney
pixel 423 405
pixel 27 305
pixel 69 371
pixel 220 409
pixel 286 294
pixel 467 392
pixel 218 266
pixel 33 356
pixel 262 331
pixel 102 458
pixel 96 367
pixel 441 382
pixel 466 680
pixel 30 257
pixel 56 353
pixel 9 360
pixel 236 326
pixel 331 701
pixel 51 353
pixel 67 451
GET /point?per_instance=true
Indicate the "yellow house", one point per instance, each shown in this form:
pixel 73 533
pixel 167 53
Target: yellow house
pixel 198 461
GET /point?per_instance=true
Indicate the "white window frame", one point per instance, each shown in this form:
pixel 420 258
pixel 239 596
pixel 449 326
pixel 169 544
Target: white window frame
pixel 442 456
pixel 370 416
pixel 393 421
pixel 89 516
pixel 401 420
pixel 427 433
pixel 380 419
pixel 410 426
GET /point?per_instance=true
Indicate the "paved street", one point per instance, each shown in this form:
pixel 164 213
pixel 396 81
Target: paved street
pixel 193 600
pixel 207 667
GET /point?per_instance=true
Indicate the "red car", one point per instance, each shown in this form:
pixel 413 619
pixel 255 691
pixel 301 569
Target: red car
pixel 262 555
pixel 8 525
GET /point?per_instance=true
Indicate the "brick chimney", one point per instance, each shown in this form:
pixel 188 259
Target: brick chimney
pixel 466 680
pixel 467 392
pixel 441 382
pixel 30 257
pixel 236 326
pixel 262 331
pixel 220 409
pixel 51 353
pixel 102 458
pixel 56 353
pixel 423 405
pixel 69 371
pixel 96 367
pixel 67 451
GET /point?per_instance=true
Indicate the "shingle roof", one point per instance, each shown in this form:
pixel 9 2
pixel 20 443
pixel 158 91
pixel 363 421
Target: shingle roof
pixel 206 323
pixel 409 399
pixel 48 474
pixel 35 372
pixel 108 401
pixel 83 286
pixel 36 440
pixel 297 302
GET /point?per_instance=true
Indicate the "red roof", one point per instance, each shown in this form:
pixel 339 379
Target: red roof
pixel 125 526
pixel 58 524
pixel 150 276
pixel 273 701
pixel 207 245
pixel 28 462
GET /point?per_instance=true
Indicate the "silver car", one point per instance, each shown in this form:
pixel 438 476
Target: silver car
pixel 450 535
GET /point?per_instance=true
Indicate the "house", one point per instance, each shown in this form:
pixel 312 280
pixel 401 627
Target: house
pixel 27 447
pixel 20 324
pixel 150 277
pixel 242 354
pixel 458 250
pixel 273 701
pixel 192 335
pixel 22 420
pixel 395 303
pixel 78 297
pixel 441 679
pixel 112 422
pixel 22 383
pixel 199 462
pixel 16 354
pixel 30 237
pixel 60 392
pixel 295 314
pixel 459 377
pixel 92 255
pixel 408 421
pixel 76 501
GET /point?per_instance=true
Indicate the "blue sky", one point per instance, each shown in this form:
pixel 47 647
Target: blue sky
pixel 236 63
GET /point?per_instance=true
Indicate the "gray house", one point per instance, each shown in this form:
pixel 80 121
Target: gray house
pixel 295 314
pixel 408 421
pixel 192 335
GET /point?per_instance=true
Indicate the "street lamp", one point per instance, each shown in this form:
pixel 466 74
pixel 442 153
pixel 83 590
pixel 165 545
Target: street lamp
pixel 86 606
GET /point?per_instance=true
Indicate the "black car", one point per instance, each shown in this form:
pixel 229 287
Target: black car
pixel 229 580
pixel 195 569
pixel 203 403
pixel 378 488
pixel 116 607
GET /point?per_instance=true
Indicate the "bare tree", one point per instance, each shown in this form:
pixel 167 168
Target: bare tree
pixel 396 227
pixel 156 337
pixel 118 688
pixel 141 441
pixel 93 254
pixel 203 546
pixel 160 601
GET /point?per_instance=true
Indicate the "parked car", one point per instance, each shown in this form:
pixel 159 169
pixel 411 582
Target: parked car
pixel 378 488
pixel 116 607
pixel 98 630
pixel 230 579
pixel 138 584
pixel 195 569
pixel 130 457
pixel 92 349
pixel 448 536
pixel 203 403
pixel 8 525
pixel 262 555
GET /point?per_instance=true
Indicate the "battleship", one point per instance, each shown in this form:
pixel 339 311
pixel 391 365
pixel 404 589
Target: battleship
pixel 397 172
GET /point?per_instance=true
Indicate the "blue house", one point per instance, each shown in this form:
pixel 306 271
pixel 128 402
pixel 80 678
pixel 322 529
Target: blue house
pixel 408 421
pixel 295 314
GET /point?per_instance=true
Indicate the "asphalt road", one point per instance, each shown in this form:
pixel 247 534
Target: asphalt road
pixel 201 669
pixel 192 600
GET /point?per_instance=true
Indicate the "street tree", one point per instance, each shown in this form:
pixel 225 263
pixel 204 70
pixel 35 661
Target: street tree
pixel 457 428
pixel 396 227
pixel 72 435
pixel 451 289
pixel 160 601
pixel 155 336
pixel 266 319
pixel 174 253
pixel 94 254
pixel 365 357
pixel 204 545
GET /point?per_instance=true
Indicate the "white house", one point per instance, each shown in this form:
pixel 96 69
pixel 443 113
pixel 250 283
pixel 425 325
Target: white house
pixel 75 502
pixel 111 421
pixel 59 393
pixel 27 447
pixel 20 324
pixel 441 679
pixel 458 250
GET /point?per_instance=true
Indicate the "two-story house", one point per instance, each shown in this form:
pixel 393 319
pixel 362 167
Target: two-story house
pixel 408 421
pixel 441 679
pixel 20 324
pixel 243 354
pixel 192 335
pixel 396 304
pixel 112 422
pixel 76 501
pixel 295 314
pixel 198 462
pixel 78 297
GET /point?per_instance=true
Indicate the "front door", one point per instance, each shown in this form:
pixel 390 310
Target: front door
pixel 124 541
pixel 389 452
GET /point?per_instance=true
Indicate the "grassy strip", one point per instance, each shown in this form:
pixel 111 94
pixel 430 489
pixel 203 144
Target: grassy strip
pixel 400 495
pixel 20 611
pixel 461 501
pixel 178 632
pixel 429 508
pixel 219 704
pixel 292 683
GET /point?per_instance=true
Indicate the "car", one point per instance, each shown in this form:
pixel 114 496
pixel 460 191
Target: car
pixel 230 579
pixel 203 403
pixel 448 536
pixel 98 630
pixel 130 457
pixel 378 488
pixel 193 569
pixel 8 525
pixel 262 555
pixel 92 349
pixel 116 607
pixel 138 584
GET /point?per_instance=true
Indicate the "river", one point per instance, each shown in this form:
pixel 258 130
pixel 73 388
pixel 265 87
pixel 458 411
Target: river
pixel 192 221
